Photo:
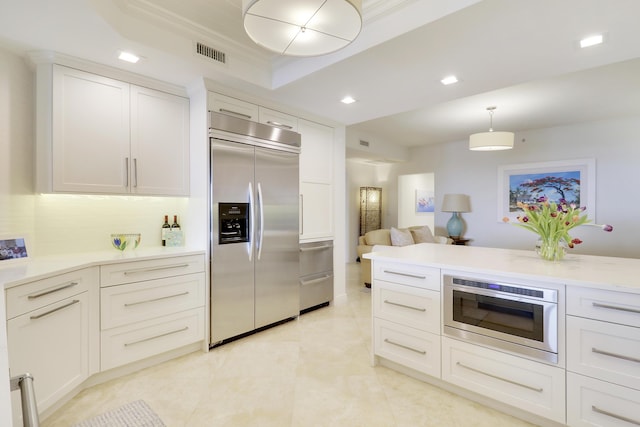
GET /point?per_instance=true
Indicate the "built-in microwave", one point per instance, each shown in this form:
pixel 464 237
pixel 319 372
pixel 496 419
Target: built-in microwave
pixel 513 317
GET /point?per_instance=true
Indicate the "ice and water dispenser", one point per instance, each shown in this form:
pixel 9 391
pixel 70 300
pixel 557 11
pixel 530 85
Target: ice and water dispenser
pixel 233 223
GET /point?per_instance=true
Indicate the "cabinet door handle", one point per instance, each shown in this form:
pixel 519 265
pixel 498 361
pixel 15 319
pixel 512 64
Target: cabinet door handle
pixel 406 347
pixel 235 113
pixel 51 291
pixel 177 331
pixel 538 389
pixel 312 281
pixel 147 270
pixel 405 306
pixel 130 304
pixel 615 307
pixel 301 215
pixel 279 125
pixel 135 172
pixel 414 276
pixel 617 356
pixel 616 416
pixel 126 172
pixel 39 316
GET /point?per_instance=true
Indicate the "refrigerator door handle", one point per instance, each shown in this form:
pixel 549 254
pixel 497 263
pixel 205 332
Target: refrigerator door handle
pixel 251 222
pixel 261 219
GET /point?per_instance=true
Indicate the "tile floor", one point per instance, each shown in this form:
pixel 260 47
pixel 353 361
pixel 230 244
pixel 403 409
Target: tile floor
pixel 313 371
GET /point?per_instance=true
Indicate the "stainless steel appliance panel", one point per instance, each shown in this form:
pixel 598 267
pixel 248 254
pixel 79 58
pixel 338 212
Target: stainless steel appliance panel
pixel 276 225
pixel 232 272
pixel 316 274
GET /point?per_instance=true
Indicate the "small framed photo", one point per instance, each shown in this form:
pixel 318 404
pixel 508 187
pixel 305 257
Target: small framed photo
pixel 13 249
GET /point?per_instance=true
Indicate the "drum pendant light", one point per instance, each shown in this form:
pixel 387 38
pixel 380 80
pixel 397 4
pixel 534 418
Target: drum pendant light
pixel 491 141
pixel 302 27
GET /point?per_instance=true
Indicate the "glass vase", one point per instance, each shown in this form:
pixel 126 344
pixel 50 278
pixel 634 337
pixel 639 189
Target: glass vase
pixel 550 249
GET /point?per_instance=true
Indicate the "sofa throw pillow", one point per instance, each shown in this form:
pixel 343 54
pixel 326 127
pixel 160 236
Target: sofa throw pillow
pixel 377 237
pixel 422 235
pixel 401 237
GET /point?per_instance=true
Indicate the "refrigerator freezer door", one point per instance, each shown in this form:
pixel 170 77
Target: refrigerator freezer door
pixel 232 269
pixel 277 266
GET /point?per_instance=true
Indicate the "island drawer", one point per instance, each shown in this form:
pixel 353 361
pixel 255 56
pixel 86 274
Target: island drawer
pixel 607 351
pixel 610 306
pixel 413 348
pixel 135 271
pixel 134 342
pixel 407 274
pixel 591 402
pixel 417 308
pixel 34 295
pixel 135 302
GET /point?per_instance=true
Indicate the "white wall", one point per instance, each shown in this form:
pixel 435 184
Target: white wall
pixel 614 144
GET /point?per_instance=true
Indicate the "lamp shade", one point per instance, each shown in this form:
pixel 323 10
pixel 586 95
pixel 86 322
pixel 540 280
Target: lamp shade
pixel 456 203
pixel 302 27
pixel 491 141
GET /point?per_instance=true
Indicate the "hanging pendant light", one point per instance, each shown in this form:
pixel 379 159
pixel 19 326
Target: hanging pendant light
pixel 302 27
pixel 491 141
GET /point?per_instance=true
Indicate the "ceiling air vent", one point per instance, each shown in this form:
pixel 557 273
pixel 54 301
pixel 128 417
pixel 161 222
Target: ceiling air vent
pixel 211 53
pixel 364 143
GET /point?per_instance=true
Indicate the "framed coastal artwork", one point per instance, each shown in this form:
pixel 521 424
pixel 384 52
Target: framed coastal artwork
pixel 425 201
pixel 13 249
pixel 571 180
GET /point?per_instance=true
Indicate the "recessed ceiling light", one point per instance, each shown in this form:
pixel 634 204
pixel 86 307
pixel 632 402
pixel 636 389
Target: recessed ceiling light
pixel 129 57
pixel 348 100
pixel 591 41
pixel 449 80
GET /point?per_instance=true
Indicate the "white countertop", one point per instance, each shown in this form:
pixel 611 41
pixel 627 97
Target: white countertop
pixel 41 267
pixel 621 274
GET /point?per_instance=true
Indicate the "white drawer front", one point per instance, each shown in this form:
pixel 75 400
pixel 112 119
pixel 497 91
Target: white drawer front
pixel 31 296
pixel 604 350
pixel 144 339
pixel 134 302
pixel 136 271
pixel 410 347
pixel 418 308
pixel 617 307
pixel 591 402
pixel 412 275
pixel 528 385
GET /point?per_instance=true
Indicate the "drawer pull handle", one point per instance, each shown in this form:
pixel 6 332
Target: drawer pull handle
pixel 404 346
pixel 405 306
pixel 316 248
pixel 177 331
pixel 616 416
pixel 279 125
pixel 39 316
pixel 414 276
pixel 538 389
pixel 617 356
pixel 615 307
pixel 312 281
pixel 129 304
pixel 51 291
pixel 224 110
pixel 147 270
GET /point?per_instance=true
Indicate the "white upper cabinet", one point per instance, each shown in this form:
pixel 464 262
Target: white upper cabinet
pixel 233 107
pixel 110 137
pixel 278 119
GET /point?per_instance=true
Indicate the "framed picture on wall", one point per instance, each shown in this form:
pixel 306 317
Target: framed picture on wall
pixel 571 180
pixel 13 249
pixel 425 201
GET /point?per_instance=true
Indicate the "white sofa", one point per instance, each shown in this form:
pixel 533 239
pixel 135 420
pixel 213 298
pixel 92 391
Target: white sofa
pixel 383 238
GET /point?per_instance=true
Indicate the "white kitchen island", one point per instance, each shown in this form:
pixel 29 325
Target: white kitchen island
pixel 596 378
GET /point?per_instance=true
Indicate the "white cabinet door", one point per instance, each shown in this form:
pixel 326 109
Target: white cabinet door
pixel 159 143
pixel 316 155
pixel 233 107
pixel 90 133
pixel 278 119
pixel 52 343
pixel 316 210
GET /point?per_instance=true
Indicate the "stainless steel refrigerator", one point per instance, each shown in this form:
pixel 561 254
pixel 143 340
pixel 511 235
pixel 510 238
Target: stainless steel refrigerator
pixel 254 226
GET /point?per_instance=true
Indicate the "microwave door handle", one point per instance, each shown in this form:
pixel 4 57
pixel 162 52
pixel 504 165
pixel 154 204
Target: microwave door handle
pixel 251 222
pixel 261 219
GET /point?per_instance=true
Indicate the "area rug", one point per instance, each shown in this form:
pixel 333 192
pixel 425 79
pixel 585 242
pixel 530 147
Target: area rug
pixel 134 414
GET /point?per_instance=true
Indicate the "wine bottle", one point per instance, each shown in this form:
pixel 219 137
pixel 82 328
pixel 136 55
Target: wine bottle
pixel 175 224
pixel 165 227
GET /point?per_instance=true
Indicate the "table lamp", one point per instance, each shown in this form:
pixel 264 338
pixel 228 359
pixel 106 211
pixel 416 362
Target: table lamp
pixel 455 203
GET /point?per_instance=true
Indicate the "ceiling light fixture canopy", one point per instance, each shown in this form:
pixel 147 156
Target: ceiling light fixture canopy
pixel 302 27
pixel 491 141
